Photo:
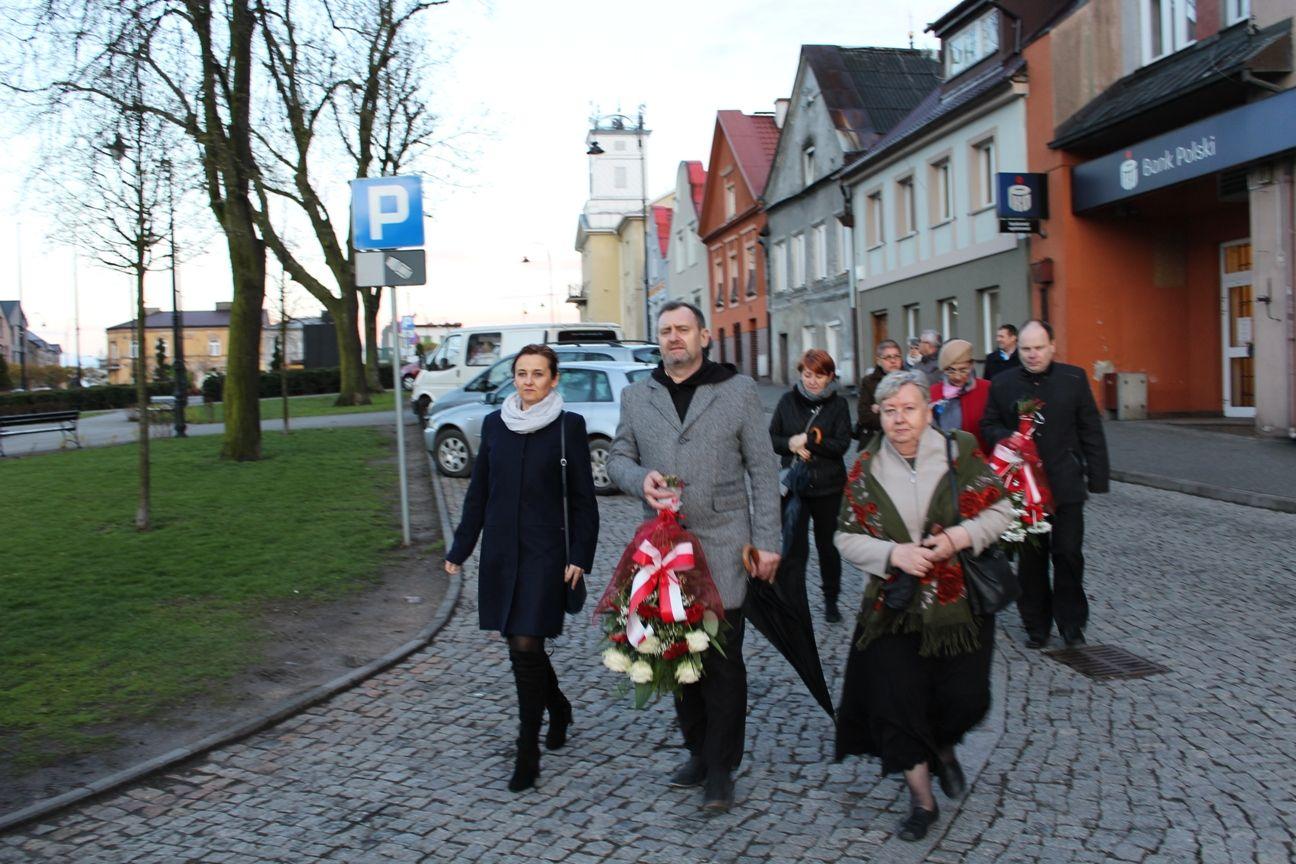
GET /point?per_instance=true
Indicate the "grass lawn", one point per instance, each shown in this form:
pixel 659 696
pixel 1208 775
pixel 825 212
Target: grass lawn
pixel 100 623
pixel 298 406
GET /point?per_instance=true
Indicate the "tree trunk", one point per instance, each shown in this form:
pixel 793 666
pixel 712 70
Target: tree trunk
pixel 243 374
pixel 143 511
pixel 353 390
pixel 371 300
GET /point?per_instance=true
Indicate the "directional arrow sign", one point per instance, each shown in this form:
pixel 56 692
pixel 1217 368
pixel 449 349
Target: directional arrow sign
pixel 377 269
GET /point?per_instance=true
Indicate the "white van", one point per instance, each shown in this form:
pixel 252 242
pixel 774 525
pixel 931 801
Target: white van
pixel 465 352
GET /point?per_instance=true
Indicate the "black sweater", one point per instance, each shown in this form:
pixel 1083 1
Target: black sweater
pixel 792 416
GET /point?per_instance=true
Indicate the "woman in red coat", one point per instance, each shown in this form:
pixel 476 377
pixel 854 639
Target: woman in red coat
pixel 959 400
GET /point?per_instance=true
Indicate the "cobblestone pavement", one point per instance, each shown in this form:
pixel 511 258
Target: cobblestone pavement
pixel 1193 765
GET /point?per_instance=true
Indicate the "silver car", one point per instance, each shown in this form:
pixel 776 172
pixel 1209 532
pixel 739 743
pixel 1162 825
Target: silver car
pixel 590 389
pixel 488 381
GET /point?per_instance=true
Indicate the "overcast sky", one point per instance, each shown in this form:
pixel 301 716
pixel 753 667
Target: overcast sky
pixel 523 75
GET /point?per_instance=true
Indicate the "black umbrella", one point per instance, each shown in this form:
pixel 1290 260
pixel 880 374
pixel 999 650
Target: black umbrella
pixel 781 611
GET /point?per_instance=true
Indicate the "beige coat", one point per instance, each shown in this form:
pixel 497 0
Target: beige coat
pixel 911 491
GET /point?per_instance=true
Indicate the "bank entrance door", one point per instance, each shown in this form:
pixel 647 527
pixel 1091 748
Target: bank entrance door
pixel 1236 327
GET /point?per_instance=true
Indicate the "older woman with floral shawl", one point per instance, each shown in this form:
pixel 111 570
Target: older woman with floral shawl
pixel 918 675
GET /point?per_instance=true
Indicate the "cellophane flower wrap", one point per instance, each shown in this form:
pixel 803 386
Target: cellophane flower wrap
pixel 661 611
pixel 1017 462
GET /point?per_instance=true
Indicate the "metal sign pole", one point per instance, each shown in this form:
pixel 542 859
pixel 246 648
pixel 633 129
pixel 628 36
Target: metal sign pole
pixel 400 421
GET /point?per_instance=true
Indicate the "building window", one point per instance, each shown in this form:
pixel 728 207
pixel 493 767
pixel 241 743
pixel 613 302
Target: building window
pixel 1236 10
pixel 1168 26
pixel 731 201
pixel 213 347
pixel 718 266
pixel 778 261
pixel 844 244
pixel 942 193
pixel 911 321
pixel 751 269
pixel 134 349
pixel 972 44
pixel 733 276
pixel 691 245
pixel 947 309
pixel 989 318
pixel 619 177
pixel 820 234
pixel 679 251
pixel 982 176
pixel 906 207
pixel 807 338
pixel 113 351
pixel 832 340
pixel 807 164
pixel 798 261
pixel 874 219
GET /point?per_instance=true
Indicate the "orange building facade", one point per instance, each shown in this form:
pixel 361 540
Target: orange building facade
pixel 1162 228
pixel 730 226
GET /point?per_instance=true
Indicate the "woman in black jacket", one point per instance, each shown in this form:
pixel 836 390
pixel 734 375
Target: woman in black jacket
pixel 515 495
pixel 812 423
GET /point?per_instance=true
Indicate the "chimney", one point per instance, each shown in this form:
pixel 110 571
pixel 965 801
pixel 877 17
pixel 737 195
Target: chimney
pixel 224 307
pixel 780 111
pixel 151 310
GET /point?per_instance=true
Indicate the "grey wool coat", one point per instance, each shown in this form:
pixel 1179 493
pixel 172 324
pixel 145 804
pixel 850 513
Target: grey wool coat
pixel 722 444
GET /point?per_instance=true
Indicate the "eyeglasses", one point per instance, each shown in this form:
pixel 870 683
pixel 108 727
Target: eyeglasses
pixel 888 356
pixel 961 369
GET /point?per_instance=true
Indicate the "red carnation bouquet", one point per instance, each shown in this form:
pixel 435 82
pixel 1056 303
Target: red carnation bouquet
pixel 1017 462
pixel 661 610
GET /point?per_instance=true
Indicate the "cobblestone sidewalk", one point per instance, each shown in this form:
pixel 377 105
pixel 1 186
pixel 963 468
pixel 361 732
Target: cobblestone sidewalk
pixel 1193 765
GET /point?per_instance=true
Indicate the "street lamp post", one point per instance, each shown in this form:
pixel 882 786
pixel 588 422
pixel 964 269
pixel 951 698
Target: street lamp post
pixel 618 122
pixel 181 392
pixel 553 319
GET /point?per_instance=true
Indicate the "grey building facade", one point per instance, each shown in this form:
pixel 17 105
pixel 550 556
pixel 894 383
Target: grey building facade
pixel 686 275
pixel 843 101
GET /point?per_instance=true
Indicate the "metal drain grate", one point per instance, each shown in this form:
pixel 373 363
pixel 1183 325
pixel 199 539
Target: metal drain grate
pixel 1106 662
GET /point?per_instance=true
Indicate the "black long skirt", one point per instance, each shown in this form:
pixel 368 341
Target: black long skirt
pixel 904 708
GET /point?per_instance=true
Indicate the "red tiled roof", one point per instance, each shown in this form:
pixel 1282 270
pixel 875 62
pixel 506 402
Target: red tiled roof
pixel 662 217
pixel 697 182
pixel 753 138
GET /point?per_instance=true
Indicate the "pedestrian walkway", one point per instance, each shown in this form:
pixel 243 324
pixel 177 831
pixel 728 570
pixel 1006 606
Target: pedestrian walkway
pixel 1190 765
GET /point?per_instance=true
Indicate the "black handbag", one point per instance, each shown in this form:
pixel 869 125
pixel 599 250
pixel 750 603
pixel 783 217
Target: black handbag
pixel 992 584
pixel 573 595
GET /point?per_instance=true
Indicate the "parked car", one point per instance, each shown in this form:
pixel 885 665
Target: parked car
pixel 465 352
pixel 487 382
pixel 591 389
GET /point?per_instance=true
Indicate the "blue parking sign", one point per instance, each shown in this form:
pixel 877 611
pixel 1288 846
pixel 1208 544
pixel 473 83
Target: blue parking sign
pixel 387 213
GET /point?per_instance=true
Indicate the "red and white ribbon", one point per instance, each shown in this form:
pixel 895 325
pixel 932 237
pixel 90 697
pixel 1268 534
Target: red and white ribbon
pixel 657 573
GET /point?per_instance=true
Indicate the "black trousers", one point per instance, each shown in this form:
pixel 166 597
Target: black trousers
pixel 713 712
pixel 824 511
pixel 1064 601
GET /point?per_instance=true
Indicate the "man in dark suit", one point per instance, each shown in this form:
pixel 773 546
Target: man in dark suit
pixel 1005 356
pixel 1074 452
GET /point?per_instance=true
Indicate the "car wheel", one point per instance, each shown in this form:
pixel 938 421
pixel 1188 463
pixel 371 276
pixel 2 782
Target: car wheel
pixel 600 449
pixel 450 450
pixel 421 406
pixel 407 382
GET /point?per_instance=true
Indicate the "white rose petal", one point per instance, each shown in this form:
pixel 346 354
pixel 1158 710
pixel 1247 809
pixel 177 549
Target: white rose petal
pixel 687 672
pixel 650 645
pixel 697 641
pixel 640 672
pixel 616 660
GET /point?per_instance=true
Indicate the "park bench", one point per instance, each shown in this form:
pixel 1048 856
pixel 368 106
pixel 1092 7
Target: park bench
pixel 47 421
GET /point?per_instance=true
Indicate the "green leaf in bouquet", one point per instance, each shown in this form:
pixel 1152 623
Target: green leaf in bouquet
pixel 643 692
pixel 710 623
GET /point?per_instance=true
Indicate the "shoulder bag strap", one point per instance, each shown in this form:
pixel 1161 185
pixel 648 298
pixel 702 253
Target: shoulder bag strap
pixel 953 477
pixel 562 460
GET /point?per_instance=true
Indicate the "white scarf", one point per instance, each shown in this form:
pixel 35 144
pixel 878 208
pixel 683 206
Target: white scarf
pixel 524 421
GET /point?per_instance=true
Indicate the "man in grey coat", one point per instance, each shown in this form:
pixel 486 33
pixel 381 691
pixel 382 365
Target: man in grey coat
pixel 704 423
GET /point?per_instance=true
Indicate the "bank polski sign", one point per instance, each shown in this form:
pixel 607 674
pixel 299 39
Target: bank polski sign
pixel 387 213
pixel 1228 139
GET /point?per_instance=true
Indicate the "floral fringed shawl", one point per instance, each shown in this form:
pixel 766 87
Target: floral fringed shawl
pixel 939 610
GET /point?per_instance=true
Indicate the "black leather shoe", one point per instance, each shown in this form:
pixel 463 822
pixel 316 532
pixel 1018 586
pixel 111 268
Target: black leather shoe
pixel 919 820
pixel 1033 641
pixel 688 775
pixel 1075 639
pixel 952 781
pixel 719 792
pixel 832 615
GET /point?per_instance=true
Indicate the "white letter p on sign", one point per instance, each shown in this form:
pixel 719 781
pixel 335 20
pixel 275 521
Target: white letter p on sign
pixel 378 218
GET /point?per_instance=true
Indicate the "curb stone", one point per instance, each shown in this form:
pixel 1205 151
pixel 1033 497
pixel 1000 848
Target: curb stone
pixel 275 714
pixel 1205 490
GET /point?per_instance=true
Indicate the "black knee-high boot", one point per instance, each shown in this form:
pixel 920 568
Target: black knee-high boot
pixel 532 681
pixel 560 710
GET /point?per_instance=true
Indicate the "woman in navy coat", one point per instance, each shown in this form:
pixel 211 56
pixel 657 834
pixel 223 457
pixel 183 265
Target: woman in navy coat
pixel 515 500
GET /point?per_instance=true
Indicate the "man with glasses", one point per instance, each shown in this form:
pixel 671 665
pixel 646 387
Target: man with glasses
pixel 959 399
pixel 889 359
